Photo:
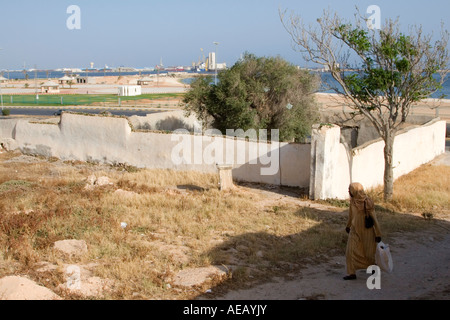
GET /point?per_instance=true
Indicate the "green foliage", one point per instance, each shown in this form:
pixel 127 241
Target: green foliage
pixel 6 112
pixel 394 66
pixel 257 93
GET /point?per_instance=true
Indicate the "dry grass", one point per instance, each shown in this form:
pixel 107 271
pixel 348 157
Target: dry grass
pixel 424 190
pixel 175 220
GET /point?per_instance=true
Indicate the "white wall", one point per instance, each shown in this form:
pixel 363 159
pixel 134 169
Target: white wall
pixel 325 165
pixel 413 147
pixel 129 91
pixel 110 140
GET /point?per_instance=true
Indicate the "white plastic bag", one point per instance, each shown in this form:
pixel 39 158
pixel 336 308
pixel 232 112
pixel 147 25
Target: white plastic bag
pixel 383 257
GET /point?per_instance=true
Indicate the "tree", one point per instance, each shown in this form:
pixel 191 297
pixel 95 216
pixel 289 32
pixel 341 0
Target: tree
pixel 197 99
pixel 392 70
pixel 257 93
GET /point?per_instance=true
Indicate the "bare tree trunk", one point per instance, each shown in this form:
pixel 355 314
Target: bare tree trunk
pixel 388 167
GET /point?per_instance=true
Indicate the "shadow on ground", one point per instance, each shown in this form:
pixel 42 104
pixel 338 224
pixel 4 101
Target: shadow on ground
pixel 256 258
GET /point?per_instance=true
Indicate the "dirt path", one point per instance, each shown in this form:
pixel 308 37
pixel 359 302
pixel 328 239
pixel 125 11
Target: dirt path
pixel 421 271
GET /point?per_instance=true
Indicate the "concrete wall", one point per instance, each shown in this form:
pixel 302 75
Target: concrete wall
pixel 129 91
pixel 111 140
pixel 334 166
pixel 326 166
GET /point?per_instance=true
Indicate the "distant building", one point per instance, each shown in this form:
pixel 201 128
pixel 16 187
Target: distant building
pixel 144 81
pixel 65 80
pixel 86 80
pixel 3 79
pixel 221 66
pixel 50 87
pixel 130 91
pixel 212 61
pixel 125 69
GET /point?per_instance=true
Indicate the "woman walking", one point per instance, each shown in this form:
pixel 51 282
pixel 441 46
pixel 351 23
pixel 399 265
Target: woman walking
pixel 362 239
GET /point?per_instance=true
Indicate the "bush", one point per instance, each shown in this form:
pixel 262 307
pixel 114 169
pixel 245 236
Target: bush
pixel 6 112
pixel 257 93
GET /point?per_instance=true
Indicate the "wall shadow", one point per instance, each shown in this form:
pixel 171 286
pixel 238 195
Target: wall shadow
pixel 255 258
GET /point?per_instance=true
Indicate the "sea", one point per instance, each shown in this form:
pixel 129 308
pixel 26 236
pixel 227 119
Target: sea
pixel 444 92
pixel 325 77
pixel 53 74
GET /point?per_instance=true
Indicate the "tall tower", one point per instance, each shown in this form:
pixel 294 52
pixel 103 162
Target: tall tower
pixel 212 61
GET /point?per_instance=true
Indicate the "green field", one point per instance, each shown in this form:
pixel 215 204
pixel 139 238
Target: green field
pixel 83 99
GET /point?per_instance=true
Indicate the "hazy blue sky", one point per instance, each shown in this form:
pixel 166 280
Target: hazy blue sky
pixel 140 32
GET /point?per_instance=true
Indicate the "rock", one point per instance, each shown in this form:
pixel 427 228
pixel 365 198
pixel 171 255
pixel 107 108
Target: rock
pixel 8 144
pixel 80 279
pixel 20 288
pixel 93 181
pixel 89 287
pixel 197 276
pixel 103 181
pixel 72 247
pixel 225 177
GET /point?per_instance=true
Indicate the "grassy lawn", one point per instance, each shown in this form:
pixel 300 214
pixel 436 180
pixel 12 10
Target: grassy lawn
pixel 81 99
pixel 177 220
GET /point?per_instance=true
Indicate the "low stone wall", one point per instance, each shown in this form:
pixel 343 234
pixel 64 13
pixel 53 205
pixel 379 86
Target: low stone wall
pixel 334 166
pixel 111 140
pixel 327 166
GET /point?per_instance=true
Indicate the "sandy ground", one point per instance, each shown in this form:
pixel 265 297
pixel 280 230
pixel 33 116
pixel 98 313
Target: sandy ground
pixel 109 84
pixel 428 107
pixel 102 85
pixel 421 271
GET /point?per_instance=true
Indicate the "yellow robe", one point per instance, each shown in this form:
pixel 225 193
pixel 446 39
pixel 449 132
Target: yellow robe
pixel 361 245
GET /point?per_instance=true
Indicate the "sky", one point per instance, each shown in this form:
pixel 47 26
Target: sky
pixel 141 33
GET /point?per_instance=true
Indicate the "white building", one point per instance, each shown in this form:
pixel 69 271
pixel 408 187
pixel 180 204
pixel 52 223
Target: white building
pixel 212 61
pixel 145 81
pixel 50 87
pixel 129 91
pixel 65 80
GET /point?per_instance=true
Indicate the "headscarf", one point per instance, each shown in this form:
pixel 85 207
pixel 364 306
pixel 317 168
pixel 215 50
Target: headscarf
pixel 359 198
